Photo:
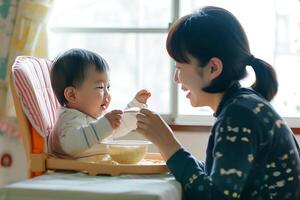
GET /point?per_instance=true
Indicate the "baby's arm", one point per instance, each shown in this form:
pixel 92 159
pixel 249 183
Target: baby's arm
pixel 76 138
pixel 135 103
pixel 76 134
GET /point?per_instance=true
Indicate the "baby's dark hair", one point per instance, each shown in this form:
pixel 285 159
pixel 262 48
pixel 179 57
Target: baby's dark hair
pixel 69 69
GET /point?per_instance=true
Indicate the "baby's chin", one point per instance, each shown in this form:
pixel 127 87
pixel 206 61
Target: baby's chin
pixel 101 112
pixel 96 115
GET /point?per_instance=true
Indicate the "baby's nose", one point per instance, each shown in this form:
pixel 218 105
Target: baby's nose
pixel 107 97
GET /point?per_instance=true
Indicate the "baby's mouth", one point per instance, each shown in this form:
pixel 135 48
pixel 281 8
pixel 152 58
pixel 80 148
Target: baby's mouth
pixel 103 106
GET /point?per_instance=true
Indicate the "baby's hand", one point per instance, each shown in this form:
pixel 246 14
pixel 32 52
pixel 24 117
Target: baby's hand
pixel 114 118
pixel 142 96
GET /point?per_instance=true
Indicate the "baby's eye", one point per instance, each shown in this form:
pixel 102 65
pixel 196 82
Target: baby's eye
pixel 108 87
pixel 100 87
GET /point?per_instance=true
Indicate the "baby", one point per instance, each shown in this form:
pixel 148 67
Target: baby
pixel 80 81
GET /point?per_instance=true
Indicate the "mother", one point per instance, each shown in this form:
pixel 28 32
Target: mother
pixel 251 153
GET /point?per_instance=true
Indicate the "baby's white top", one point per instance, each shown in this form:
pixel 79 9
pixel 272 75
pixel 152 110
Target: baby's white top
pixel 76 132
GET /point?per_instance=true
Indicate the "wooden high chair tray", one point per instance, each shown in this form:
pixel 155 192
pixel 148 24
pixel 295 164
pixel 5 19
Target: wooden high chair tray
pixel 99 164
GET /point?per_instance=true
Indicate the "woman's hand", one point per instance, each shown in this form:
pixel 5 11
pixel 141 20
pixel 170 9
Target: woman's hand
pixel 155 129
pixel 142 96
pixel 114 118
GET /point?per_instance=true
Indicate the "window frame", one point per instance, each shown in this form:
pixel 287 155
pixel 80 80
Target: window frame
pixel 173 118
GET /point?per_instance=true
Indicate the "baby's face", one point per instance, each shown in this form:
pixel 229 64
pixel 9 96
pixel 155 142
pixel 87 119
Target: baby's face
pixel 93 95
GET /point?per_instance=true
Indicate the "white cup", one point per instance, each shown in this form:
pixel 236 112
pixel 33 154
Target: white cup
pixel 127 122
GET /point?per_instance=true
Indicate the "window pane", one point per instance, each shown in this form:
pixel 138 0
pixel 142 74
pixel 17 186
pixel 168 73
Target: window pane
pixel 274 36
pixel 112 13
pixel 136 61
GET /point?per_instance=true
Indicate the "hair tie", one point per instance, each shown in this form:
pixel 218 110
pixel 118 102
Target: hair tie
pixel 251 60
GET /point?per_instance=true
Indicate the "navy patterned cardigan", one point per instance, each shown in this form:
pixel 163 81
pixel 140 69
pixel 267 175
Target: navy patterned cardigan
pixel 251 154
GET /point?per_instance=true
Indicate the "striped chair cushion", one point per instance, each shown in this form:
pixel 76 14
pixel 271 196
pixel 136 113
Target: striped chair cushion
pixel 32 82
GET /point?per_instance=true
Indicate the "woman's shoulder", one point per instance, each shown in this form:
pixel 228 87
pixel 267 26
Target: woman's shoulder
pixel 250 100
pixel 247 102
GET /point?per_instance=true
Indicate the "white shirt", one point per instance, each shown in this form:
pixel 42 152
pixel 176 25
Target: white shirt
pixel 75 132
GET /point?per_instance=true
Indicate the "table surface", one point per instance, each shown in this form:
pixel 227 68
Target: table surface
pixel 73 186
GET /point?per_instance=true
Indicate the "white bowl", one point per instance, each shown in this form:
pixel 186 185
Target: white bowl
pixel 127 151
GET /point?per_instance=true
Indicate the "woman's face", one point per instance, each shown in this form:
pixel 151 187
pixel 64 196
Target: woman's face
pixel 192 79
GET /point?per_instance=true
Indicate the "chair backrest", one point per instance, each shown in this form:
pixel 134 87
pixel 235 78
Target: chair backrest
pixel 35 103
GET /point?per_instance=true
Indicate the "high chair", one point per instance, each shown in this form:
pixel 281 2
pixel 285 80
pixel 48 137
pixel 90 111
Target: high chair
pixel 35 105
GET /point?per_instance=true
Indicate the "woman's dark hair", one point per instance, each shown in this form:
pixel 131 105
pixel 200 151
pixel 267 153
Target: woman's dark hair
pixel 215 32
pixel 69 69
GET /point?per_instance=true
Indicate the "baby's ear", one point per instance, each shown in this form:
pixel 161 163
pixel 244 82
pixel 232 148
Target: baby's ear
pixel 70 94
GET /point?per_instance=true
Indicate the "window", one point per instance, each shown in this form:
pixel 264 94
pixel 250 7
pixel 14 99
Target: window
pixel 273 29
pixel 131 34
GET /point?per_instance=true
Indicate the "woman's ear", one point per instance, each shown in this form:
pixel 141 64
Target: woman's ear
pixel 70 94
pixel 215 67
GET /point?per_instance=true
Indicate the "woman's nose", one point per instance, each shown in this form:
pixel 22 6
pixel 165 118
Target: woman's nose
pixel 176 80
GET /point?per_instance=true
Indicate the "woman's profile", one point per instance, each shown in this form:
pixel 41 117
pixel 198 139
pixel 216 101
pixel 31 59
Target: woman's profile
pixel 251 153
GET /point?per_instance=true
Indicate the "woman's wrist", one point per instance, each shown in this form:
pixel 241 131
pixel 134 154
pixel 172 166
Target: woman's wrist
pixel 168 149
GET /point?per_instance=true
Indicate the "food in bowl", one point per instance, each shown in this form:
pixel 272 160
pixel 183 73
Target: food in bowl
pixel 127 151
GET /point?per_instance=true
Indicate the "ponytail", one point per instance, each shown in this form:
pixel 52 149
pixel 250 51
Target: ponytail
pixel 266 81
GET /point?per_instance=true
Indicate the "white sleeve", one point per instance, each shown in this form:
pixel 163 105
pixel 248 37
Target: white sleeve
pixel 135 103
pixel 76 138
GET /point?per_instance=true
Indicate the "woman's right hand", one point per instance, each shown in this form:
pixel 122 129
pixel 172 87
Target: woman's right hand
pixel 155 129
pixel 114 118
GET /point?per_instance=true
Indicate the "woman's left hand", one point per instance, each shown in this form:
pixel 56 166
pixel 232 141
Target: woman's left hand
pixel 155 129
